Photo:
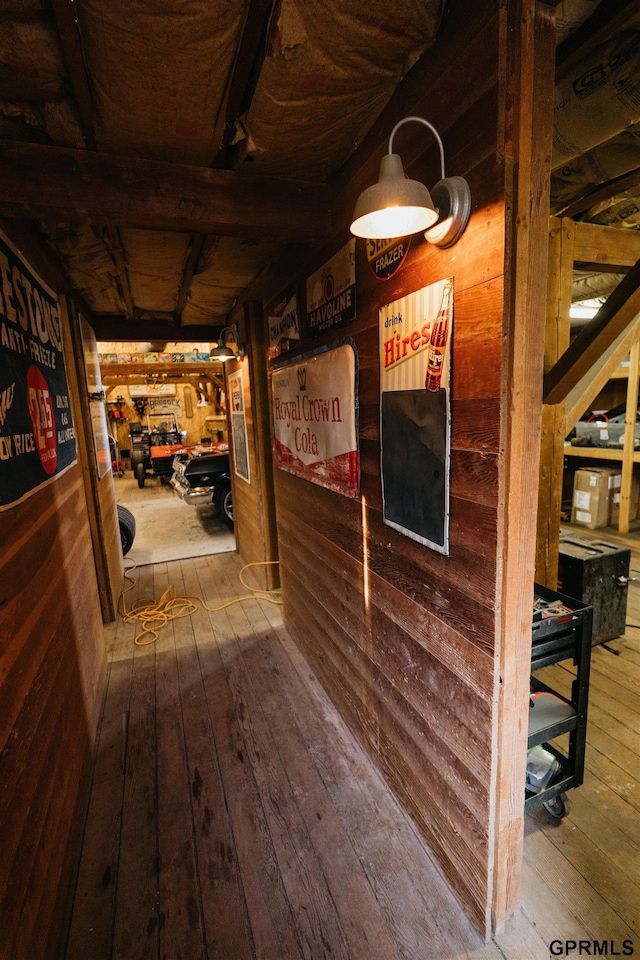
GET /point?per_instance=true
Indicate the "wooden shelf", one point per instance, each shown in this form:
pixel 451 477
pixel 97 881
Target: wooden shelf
pixel 146 370
pixel 599 453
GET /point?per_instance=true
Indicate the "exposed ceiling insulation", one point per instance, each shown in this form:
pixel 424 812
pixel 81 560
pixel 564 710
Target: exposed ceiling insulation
pixel 266 88
pixel 331 68
pixel 596 149
pixel 90 262
pixel 158 73
pixel 155 261
pixel 182 82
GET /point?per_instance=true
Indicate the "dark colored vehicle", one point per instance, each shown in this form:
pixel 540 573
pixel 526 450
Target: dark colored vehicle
pixel 205 479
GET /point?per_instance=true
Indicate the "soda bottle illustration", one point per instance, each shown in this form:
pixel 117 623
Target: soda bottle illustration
pixel 438 342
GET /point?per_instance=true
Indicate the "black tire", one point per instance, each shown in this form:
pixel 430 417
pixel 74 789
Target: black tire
pixel 137 456
pixel 127 523
pixel 558 806
pixel 140 474
pixel 224 503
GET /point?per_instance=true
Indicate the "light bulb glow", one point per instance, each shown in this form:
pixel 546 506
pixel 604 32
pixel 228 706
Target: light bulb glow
pixel 393 222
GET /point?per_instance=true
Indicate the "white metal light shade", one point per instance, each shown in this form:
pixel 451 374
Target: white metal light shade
pixel 394 206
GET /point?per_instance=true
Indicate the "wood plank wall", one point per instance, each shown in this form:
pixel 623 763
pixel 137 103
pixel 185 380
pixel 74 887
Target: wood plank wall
pixel 52 672
pixel 100 492
pixel 414 668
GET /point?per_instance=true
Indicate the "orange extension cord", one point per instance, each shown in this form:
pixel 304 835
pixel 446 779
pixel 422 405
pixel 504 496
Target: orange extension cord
pixel 153 614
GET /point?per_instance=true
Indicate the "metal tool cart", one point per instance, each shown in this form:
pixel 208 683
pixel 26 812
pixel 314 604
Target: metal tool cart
pixel 560 630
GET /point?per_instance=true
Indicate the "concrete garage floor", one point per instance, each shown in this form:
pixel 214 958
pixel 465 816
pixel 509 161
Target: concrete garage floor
pixel 166 527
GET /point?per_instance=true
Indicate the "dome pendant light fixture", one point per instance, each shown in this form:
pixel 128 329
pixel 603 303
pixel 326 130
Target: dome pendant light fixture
pixel 397 207
pixel 228 347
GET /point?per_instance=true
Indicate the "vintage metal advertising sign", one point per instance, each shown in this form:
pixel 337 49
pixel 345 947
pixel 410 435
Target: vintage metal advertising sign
pixel 331 292
pixel 37 437
pixel 385 257
pixel 314 419
pixel 239 427
pixel 415 420
pixel 283 321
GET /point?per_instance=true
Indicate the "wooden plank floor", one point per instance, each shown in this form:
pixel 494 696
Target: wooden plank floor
pixel 233 816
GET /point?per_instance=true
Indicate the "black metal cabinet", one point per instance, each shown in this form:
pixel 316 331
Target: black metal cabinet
pixel 598 574
pixel 565 634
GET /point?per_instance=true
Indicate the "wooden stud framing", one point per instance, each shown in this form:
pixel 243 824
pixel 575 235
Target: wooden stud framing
pixel 570 244
pixel 561 256
pixel 626 485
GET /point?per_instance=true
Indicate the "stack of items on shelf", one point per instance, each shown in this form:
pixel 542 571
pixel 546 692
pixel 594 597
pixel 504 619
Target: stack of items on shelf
pixel 596 497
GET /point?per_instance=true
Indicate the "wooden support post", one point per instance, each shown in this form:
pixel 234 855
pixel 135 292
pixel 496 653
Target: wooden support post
pixel 560 277
pixel 629 438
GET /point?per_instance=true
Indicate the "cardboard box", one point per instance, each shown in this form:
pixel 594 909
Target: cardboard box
pixel 592 495
pixel 614 513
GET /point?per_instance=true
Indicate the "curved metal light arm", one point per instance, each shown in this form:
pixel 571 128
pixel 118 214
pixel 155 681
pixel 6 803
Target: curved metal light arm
pixel 426 124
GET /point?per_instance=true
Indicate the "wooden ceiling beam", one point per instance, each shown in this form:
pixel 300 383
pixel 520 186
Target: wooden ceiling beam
pixel 587 389
pixel 71 43
pixel 70 40
pixel 587 266
pixel 244 78
pixel 605 246
pixel 57 183
pixel 608 19
pixel 117 250
pixel 196 244
pixel 120 330
pixel 246 71
pixel 617 314
pixel 601 193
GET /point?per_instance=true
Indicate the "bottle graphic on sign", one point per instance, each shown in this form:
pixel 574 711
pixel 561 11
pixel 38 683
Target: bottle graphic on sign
pixel 438 342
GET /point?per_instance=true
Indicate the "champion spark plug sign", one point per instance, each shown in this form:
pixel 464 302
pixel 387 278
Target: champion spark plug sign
pixel 37 437
pixel 314 419
pixel 283 320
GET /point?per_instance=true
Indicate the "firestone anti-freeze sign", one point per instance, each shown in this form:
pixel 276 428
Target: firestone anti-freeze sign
pixel 314 419
pixel 37 438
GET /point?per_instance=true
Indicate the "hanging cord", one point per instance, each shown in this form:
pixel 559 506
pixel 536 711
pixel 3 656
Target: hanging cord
pixel 153 614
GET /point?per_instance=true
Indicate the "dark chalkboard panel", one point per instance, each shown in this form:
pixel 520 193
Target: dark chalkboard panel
pixel 414 463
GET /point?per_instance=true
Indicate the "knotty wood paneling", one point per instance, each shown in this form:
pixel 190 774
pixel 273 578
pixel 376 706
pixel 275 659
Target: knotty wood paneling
pixel 412 645
pixel 52 670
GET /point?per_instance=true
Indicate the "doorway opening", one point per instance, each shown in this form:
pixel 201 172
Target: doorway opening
pixel 166 407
